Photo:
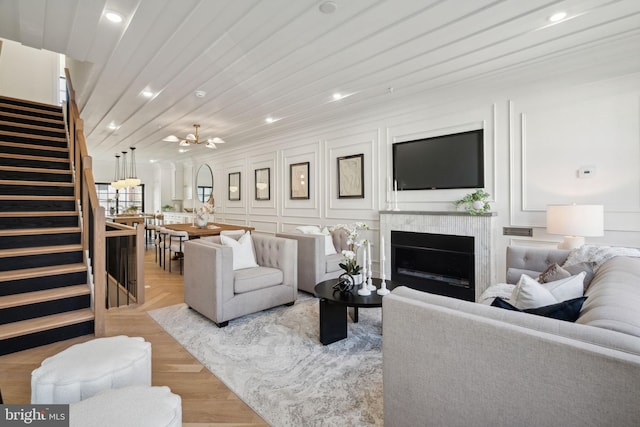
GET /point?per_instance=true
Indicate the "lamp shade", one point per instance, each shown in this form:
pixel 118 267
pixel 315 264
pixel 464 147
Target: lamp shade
pixel 575 220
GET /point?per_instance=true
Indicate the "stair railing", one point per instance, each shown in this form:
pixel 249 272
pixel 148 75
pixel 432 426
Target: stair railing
pixel 124 264
pixel 92 217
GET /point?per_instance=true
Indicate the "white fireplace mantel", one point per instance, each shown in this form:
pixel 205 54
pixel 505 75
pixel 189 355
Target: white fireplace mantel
pixel 456 223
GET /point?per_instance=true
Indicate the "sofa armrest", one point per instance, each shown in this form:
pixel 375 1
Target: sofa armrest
pixel 311 258
pixel 280 253
pixel 208 277
pixel 454 362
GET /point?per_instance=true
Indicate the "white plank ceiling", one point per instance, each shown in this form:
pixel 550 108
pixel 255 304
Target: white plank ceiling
pixel 285 59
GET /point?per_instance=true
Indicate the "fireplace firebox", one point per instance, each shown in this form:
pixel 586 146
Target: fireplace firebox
pixel 437 263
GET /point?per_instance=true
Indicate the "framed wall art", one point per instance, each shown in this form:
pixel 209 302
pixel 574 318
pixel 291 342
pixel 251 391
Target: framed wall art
pixel 351 177
pixel 263 189
pixel 234 186
pixel 299 180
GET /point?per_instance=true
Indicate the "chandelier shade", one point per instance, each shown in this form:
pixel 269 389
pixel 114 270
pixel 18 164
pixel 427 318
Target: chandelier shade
pixel 192 139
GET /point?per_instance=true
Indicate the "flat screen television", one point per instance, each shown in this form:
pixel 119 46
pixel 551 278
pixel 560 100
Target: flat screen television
pixel 440 162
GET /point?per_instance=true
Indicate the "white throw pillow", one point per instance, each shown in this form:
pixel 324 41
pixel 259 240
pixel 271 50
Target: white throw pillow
pixel 309 229
pixel 236 234
pixel 243 255
pixel 567 288
pixel 528 293
pixel 329 249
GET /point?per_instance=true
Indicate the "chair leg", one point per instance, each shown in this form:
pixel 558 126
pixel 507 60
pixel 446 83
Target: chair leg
pixel 222 324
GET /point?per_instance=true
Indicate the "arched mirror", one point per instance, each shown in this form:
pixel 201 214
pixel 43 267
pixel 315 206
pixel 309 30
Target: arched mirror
pixel 204 184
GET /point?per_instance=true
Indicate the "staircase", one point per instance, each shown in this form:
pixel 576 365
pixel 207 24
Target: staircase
pixel 44 296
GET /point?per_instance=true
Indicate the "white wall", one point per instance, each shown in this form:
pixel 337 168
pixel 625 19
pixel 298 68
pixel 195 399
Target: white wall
pixel 29 73
pixel 535 142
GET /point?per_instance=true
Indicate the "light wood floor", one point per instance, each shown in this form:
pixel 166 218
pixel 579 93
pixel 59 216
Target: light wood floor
pixel 205 400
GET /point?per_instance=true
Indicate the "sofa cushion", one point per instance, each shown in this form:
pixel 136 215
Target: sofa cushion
pixel 252 279
pixel 329 249
pixel 528 293
pixel 566 310
pixel 331 263
pixel 555 272
pixel 552 273
pixel 614 297
pixel 243 254
pixel 308 229
pixel 587 267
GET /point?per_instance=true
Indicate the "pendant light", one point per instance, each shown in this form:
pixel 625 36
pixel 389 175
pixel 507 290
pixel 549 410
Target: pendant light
pixel 132 180
pixel 115 183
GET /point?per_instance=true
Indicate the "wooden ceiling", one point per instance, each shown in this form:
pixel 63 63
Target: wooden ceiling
pixel 286 58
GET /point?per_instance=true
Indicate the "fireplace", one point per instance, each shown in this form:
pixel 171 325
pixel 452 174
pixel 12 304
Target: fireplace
pixel 449 223
pixel 437 263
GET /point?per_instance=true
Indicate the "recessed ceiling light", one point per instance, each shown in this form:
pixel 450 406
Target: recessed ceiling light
pixel 113 126
pixel 328 7
pixel 113 16
pixel 200 93
pixel 558 16
pixel 147 94
pixel 337 96
pixel 269 120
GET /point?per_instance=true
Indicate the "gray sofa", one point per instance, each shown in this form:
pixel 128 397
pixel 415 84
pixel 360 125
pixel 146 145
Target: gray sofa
pixel 448 362
pixel 215 290
pixel 313 265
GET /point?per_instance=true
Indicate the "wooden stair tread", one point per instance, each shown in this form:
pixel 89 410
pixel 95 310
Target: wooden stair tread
pixel 45 323
pixel 33 136
pixel 56 115
pixel 31 126
pixel 33 146
pixel 29 117
pixel 30 231
pixel 30 157
pixel 43 296
pixel 34 170
pixel 27 273
pixel 35 183
pixel 37 214
pixel 43 198
pixel 38 105
pixel 39 250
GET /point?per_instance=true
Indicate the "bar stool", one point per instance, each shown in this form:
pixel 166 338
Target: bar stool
pixel 176 242
pixel 149 227
pixel 162 242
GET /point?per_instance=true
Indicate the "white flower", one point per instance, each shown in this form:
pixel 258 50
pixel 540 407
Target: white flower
pixel 349 255
pixel 206 208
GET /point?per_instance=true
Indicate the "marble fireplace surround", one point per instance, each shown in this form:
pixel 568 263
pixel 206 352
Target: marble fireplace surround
pixel 481 227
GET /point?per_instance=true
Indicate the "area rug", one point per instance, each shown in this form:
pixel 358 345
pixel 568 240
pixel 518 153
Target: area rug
pixel 274 361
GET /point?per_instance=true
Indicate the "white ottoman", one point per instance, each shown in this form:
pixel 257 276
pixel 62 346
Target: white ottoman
pixel 85 369
pixel 135 406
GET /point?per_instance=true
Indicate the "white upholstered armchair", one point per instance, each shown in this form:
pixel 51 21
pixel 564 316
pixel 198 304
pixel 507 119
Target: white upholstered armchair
pixel 316 262
pixel 214 289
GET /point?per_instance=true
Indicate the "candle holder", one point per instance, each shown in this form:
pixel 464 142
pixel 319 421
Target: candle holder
pixel 364 289
pixel 383 288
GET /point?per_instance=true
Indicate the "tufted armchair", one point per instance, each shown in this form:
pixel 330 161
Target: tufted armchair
pixel 314 265
pixel 214 289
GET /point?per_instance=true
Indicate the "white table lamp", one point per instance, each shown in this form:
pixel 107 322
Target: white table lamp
pixel 575 222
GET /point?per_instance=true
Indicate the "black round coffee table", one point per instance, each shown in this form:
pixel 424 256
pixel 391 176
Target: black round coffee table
pixel 333 307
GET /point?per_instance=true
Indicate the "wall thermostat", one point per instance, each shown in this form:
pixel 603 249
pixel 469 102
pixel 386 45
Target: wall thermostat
pixel 587 171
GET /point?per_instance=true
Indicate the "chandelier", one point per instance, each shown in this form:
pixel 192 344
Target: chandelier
pixel 125 178
pixel 192 139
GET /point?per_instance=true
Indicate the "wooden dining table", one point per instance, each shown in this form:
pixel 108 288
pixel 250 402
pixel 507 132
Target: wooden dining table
pixel 212 229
